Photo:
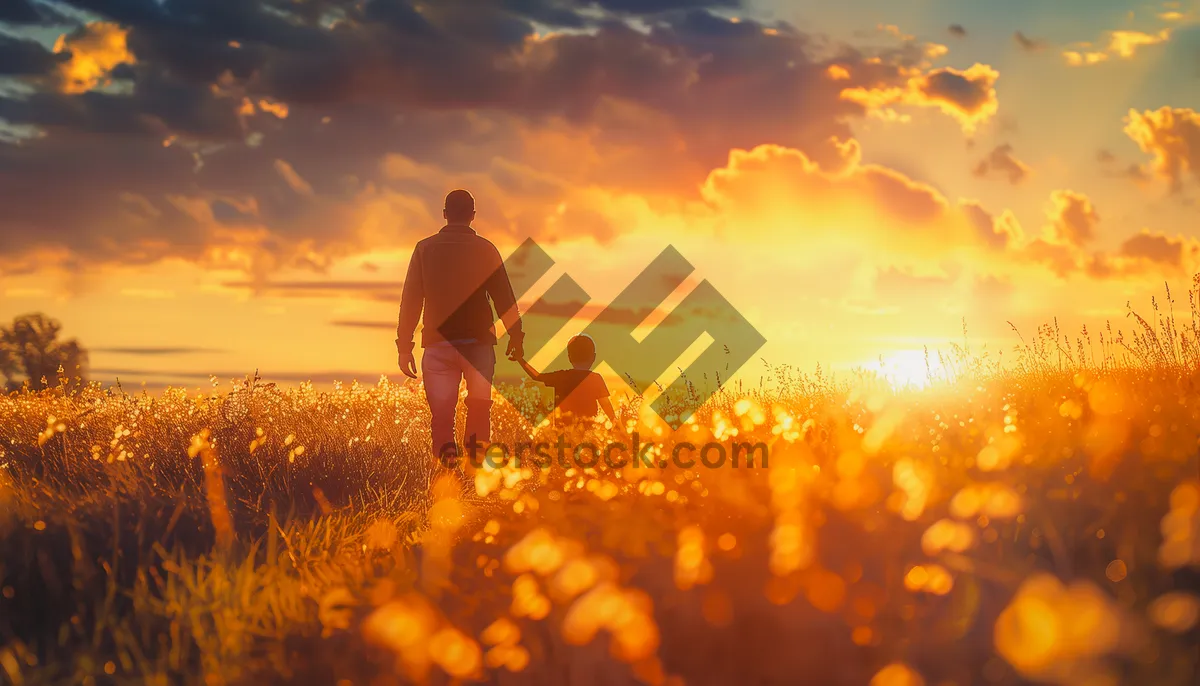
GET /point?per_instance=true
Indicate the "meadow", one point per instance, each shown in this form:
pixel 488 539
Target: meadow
pixel 1032 522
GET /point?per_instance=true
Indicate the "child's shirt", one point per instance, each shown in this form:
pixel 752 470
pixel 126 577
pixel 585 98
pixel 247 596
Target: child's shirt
pixel 576 391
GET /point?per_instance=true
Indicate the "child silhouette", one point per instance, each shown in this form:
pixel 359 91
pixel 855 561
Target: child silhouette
pixel 579 392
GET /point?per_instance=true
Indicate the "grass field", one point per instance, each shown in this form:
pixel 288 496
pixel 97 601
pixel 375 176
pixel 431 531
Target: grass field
pixel 1039 523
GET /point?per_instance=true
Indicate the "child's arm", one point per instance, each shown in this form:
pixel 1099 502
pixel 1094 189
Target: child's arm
pixel 606 405
pixel 533 373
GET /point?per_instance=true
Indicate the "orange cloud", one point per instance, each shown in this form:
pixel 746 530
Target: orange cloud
pixel 837 72
pixel 1159 248
pixel 96 49
pixel 1147 253
pixel 1125 44
pixel 279 109
pixel 1078 59
pixel 1073 218
pixel 1121 44
pixel 1072 224
pixel 1172 135
pixel 780 191
pixel 969 96
pixel 996 232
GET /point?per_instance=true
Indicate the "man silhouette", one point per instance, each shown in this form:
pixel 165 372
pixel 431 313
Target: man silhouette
pixel 452 276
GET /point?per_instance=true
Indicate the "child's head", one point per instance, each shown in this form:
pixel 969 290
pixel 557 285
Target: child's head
pixel 581 351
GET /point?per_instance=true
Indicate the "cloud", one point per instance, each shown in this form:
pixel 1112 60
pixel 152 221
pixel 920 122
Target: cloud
pixel 27 58
pixel 1077 58
pixel 1072 223
pixel 969 96
pixel 1073 218
pixel 1121 44
pixel 957 30
pixel 1125 44
pixel 995 232
pixel 1002 161
pixel 154 351
pixel 20 12
pixel 1158 248
pixel 95 49
pixel 294 180
pixel 1172 136
pixel 658 6
pixel 1027 43
pixel 253 135
pixel 1147 254
pixel 771 191
pixel 1061 247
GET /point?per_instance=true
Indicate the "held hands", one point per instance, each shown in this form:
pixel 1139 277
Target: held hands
pixel 516 348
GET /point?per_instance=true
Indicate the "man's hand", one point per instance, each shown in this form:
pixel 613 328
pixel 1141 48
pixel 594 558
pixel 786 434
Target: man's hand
pixel 408 363
pixel 516 348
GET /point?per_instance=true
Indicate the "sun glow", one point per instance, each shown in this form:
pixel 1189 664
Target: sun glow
pixel 906 368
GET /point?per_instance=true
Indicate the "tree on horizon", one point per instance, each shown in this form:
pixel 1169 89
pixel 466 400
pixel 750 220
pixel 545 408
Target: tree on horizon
pixel 32 352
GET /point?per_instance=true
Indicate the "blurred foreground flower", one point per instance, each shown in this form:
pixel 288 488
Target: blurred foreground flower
pixel 1056 633
pixel 1181 528
pixel 415 631
pixel 897 674
pixel 1175 612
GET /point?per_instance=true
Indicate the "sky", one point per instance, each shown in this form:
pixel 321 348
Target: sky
pixel 201 188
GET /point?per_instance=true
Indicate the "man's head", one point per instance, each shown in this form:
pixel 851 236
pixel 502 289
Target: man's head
pixel 460 208
pixel 581 351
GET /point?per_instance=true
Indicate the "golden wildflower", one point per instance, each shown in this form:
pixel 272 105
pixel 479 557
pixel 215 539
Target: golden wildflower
pixel 1053 632
pixel 1181 528
pixel 691 561
pixel 455 653
pixel 897 674
pixel 1176 612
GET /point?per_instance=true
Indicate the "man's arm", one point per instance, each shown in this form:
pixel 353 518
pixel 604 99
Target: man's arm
pixel 499 288
pixel 412 300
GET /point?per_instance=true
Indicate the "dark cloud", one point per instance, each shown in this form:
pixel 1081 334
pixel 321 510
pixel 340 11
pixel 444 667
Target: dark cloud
pixel 957 31
pixel 20 12
pixel 1155 248
pixel 26 57
pixel 1027 43
pixel 971 92
pixel 187 153
pixel 1001 160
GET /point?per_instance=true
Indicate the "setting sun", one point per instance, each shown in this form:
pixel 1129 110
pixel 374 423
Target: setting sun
pixel 912 369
